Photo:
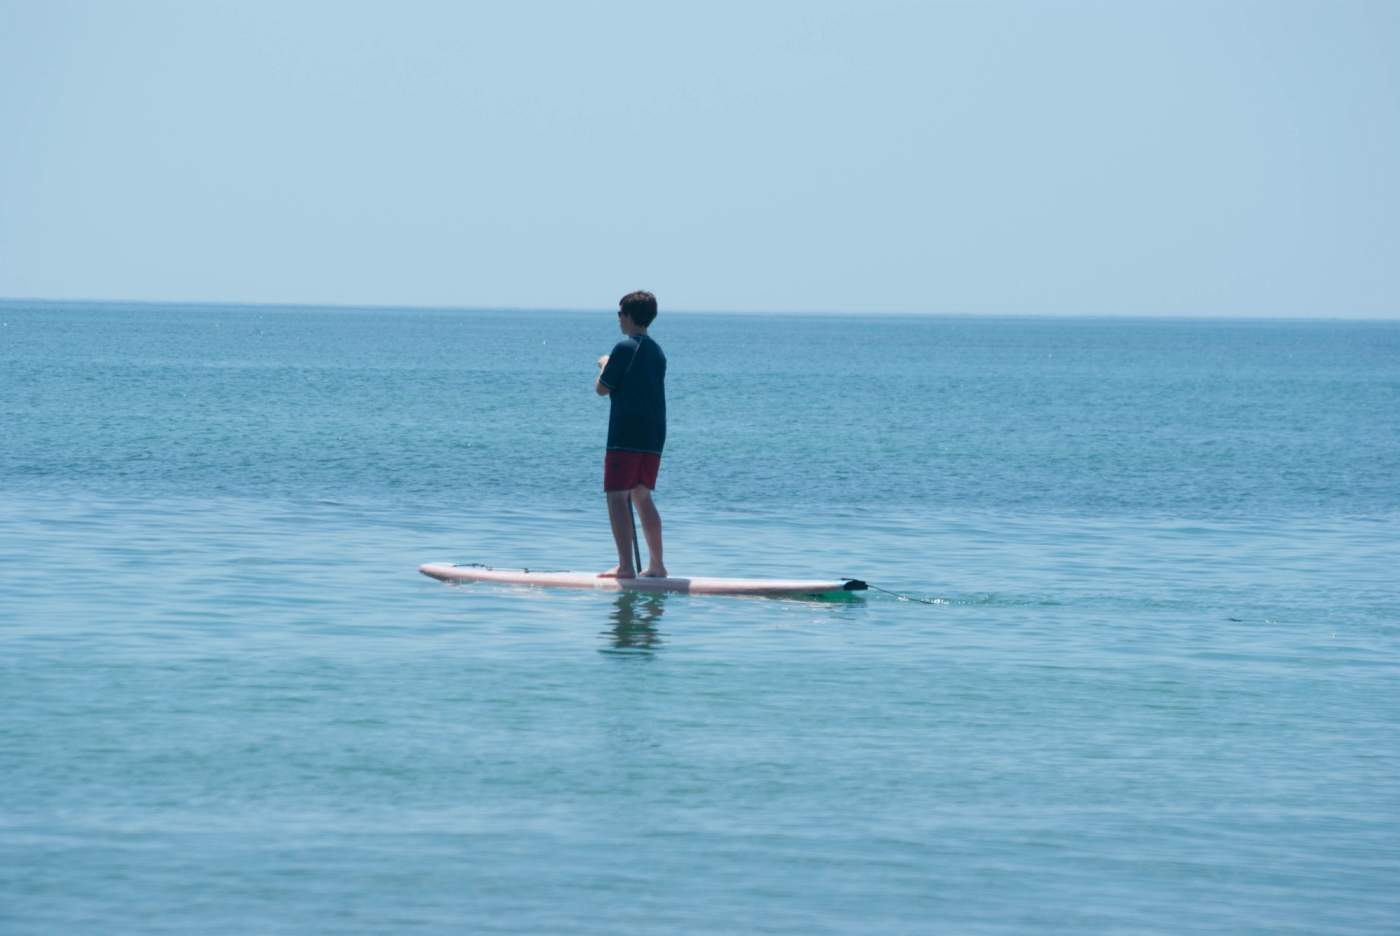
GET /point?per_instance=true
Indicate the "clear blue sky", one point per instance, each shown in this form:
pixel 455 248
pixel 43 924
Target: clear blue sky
pixel 1185 157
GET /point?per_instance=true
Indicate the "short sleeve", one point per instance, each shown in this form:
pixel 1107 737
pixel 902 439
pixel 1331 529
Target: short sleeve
pixel 619 362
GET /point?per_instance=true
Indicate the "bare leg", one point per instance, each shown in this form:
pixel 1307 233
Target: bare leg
pixel 620 516
pixel 651 531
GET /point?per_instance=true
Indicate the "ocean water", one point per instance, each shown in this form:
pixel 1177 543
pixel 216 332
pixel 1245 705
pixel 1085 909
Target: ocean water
pixel 1151 682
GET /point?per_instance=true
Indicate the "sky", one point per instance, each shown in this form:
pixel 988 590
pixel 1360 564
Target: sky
pixel 1190 157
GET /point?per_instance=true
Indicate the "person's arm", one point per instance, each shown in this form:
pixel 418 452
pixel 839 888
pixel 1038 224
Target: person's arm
pixel 599 387
pixel 612 368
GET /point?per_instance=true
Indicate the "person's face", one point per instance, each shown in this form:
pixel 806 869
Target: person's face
pixel 624 322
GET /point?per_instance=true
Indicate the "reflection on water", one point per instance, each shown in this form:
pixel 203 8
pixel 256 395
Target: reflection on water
pixel 634 619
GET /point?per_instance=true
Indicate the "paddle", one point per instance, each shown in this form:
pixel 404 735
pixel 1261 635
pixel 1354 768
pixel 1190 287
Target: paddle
pixel 636 547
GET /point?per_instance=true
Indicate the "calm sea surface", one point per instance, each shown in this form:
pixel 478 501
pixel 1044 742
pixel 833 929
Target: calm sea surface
pixel 1153 683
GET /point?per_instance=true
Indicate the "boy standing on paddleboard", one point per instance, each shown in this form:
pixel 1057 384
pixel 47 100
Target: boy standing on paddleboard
pixel 633 378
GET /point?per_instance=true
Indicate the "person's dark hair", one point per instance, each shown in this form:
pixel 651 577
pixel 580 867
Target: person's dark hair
pixel 639 306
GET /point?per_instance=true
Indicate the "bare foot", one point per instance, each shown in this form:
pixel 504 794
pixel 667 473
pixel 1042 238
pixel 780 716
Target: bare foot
pixel 619 572
pixel 655 572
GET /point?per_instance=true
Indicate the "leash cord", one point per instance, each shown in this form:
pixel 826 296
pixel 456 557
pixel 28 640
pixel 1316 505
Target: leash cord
pixel 903 597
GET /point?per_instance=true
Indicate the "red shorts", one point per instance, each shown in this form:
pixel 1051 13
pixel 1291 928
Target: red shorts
pixel 622 471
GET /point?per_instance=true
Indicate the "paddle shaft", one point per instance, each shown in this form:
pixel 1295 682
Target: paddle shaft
pixel 636 547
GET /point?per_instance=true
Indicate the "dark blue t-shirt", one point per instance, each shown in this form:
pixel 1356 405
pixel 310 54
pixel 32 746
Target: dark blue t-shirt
pixel 636 380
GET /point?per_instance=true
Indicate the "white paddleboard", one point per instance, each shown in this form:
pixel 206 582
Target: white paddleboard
pixel 688 586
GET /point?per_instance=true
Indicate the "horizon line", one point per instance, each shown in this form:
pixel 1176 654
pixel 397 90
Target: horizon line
pixel 892 313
